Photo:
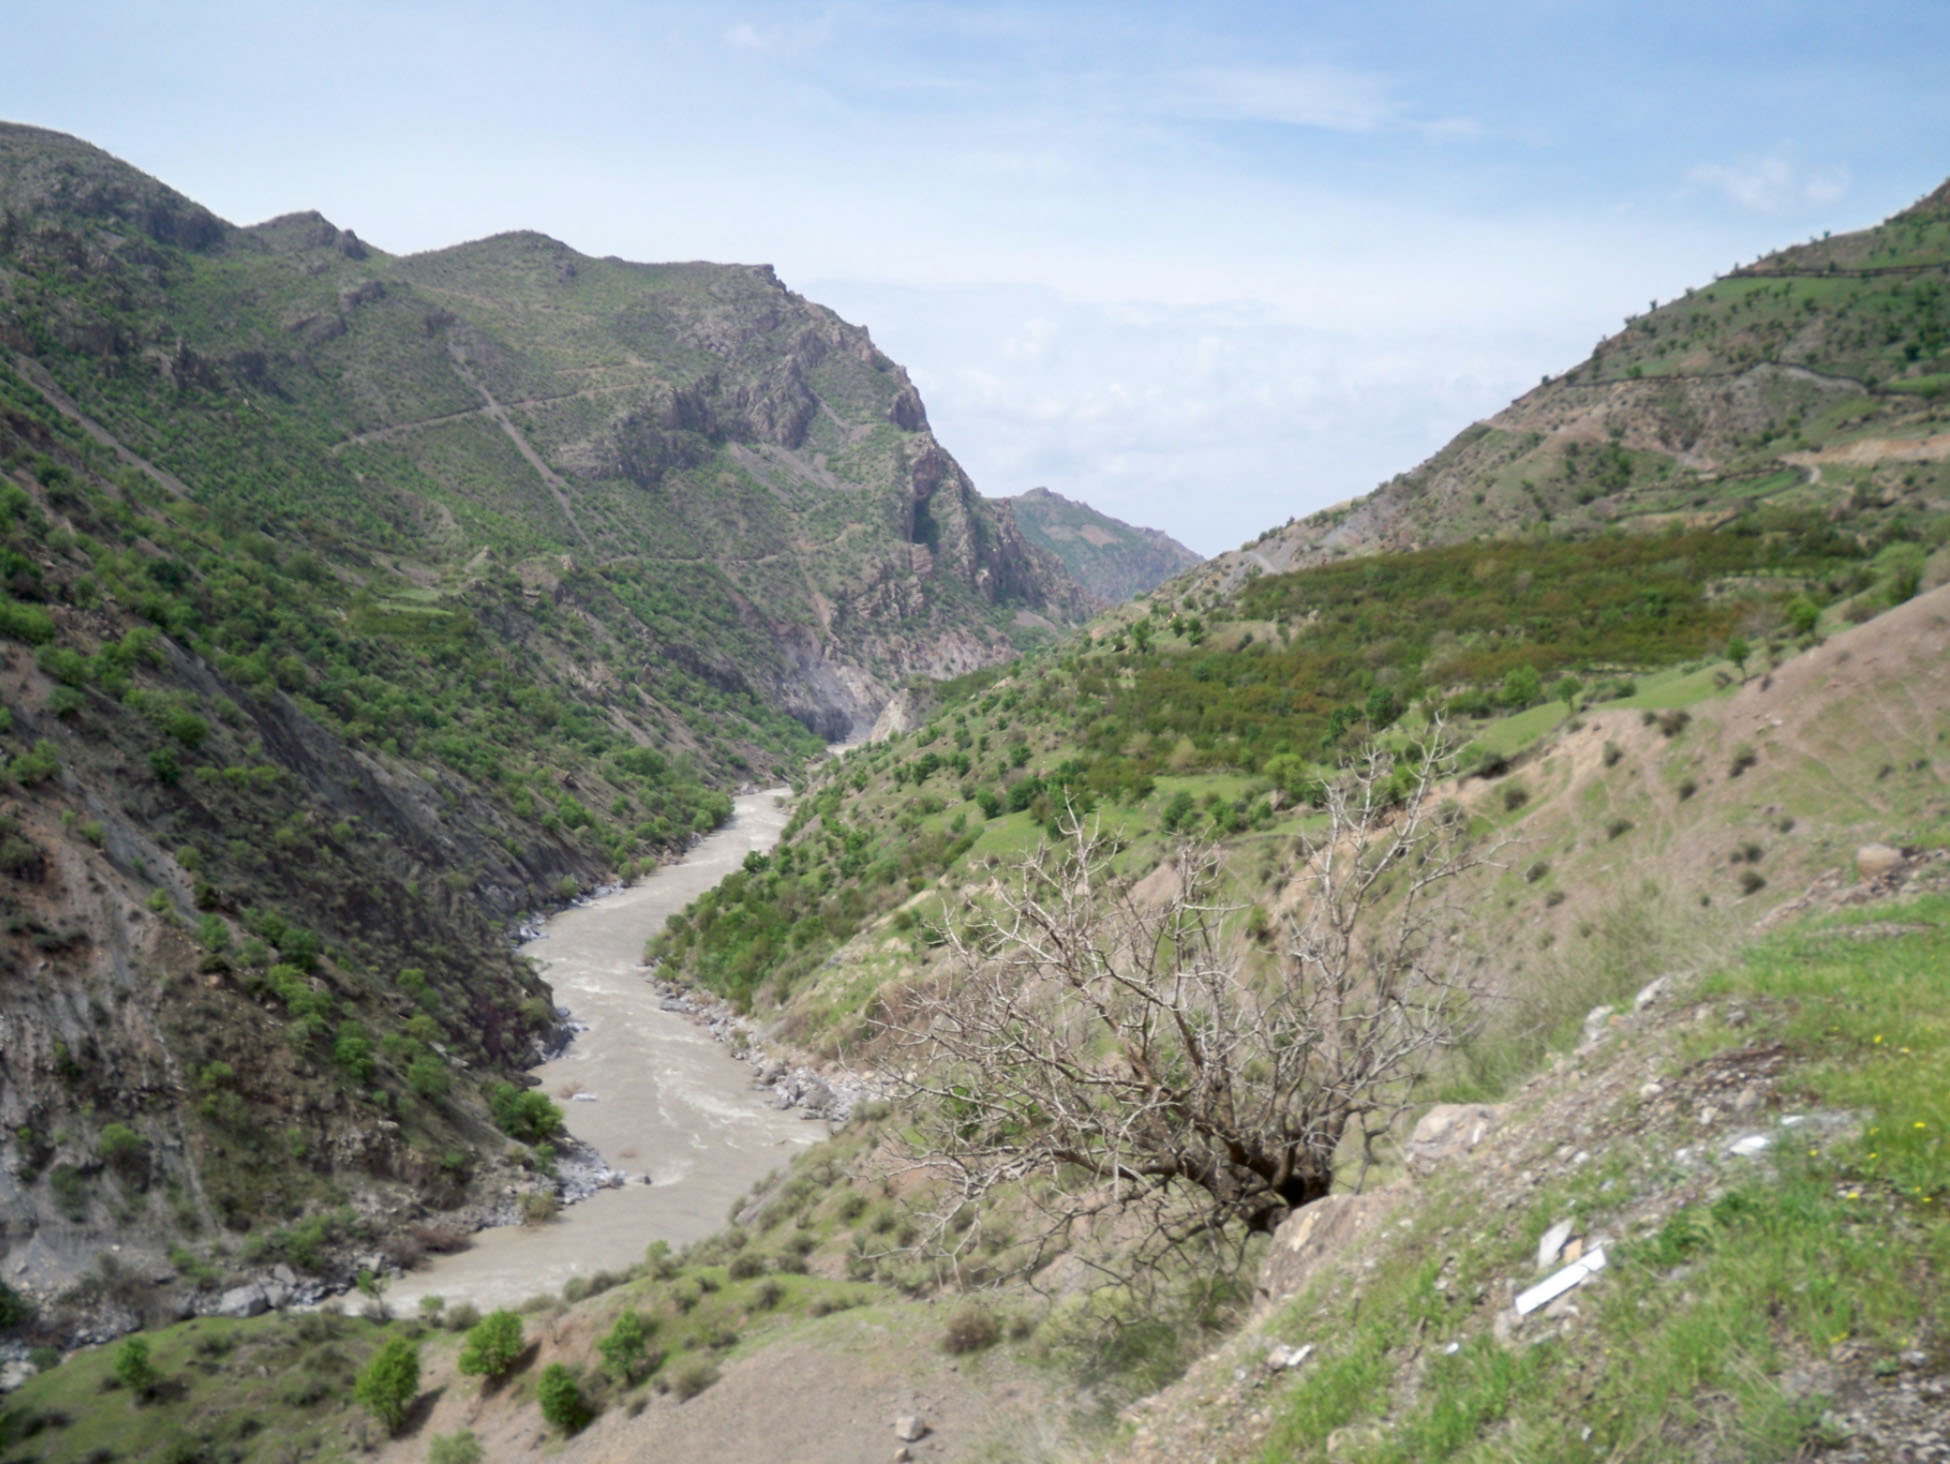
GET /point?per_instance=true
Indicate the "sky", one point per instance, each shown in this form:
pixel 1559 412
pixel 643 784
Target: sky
pixel 1206 267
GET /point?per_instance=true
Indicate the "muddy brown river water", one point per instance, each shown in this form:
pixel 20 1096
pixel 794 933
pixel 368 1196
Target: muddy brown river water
pixel 669 1102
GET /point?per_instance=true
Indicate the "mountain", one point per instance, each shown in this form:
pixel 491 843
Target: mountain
pixel 353 605
pixel 1108 557
pixel 1815 377
pixel 1687 999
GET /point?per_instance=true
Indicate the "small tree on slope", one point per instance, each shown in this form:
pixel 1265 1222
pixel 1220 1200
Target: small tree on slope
pixel 1097 1045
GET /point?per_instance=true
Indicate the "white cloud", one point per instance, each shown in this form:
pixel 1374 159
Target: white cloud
pixel 746 36
pixel 1773 183
pixel 1211 422
pixel 1329 97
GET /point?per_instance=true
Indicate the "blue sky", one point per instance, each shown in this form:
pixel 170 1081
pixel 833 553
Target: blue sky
pixel 1206 267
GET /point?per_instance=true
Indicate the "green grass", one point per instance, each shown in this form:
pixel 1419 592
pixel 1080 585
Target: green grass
pixel 211 1395
pixel 1828 1241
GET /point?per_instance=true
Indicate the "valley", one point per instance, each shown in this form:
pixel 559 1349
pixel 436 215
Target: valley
pixel 1250 979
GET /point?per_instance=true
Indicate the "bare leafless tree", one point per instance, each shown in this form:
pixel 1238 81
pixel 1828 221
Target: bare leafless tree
pixel 1099 1047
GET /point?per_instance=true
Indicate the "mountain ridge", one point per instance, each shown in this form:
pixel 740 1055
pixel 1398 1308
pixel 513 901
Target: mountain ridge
pixel 1724 398
pixel 1112 559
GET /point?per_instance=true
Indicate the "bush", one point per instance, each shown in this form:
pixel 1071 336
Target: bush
pixel 1613 752
pixel 745 1266
pixel 971 1329
pixel 461 1316
pixel 624 1348
pixel 427 1076
pixel 692 1376
pixel 1515 795
pixel 1618 827
pixel 1686 788
pixel 560 1394
pixel 124 1150
pixel 493 1346
pixel 1751 880
pixel 455 1448
pixel 524 1114
pixel 388 1384
pixel 135 1371
pixel 1522 687
pixel 1744 757
pixel 14 1308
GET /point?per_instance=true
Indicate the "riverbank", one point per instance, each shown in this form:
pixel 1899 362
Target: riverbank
pixel 675 1127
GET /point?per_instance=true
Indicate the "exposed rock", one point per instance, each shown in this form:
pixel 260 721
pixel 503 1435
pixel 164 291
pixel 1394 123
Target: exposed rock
pixel 909 1429
pixel 1448 1130
pixel 1309 1237
pixel 1551 1244
pixel 895 718
pixel 1281 1357
pixel 1877 861
pixel 242 1301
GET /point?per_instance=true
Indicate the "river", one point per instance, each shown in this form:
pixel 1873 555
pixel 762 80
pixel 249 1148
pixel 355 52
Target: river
pixel 669 1101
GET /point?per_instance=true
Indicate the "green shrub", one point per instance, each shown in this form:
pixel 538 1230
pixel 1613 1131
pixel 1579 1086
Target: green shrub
pixel 388 1384
pixel 455 1448
pixel 559 1392
pixel 493 1346
pixel 971 1329
pixel 35 767
pixel 524 1114
pixel 427 1076
pixel 123 1150
pixel 134 1369
pixel 624 1348
pixel 1515 795
pixel 14 1308
pixel 692 1376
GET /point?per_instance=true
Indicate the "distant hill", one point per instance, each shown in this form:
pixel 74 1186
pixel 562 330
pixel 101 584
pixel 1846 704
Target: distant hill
pixel 1818 377
pixel 1108 557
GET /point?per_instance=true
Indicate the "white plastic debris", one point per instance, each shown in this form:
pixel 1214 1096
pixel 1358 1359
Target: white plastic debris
pixel 1554 1286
